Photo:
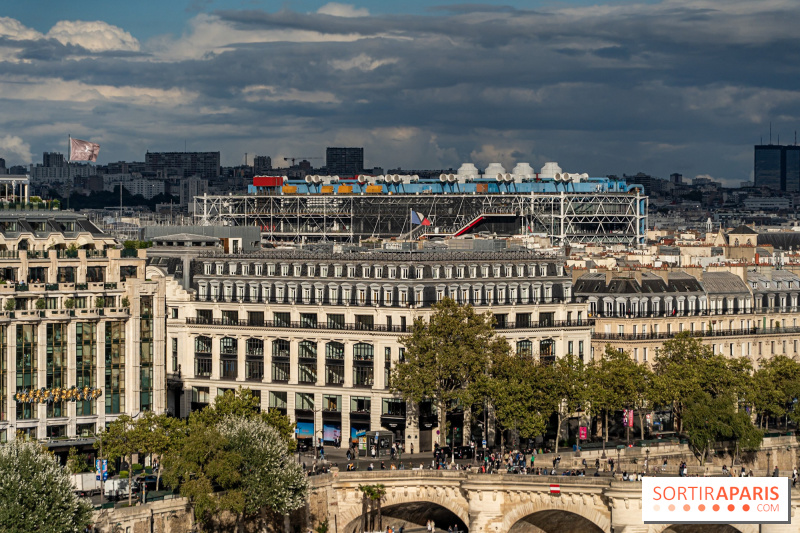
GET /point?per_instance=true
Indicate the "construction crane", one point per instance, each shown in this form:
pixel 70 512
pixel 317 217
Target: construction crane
pixel 301 158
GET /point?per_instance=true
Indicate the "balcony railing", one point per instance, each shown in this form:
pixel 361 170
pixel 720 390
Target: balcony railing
pixel 736 332
pixel 353 326
pixel 707 312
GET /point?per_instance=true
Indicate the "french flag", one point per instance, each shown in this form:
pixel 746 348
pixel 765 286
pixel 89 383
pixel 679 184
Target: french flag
pixel 419 218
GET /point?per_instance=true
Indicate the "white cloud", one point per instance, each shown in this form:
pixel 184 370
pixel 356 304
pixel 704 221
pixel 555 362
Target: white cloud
pixel 16 31
pixel 270 93
pixel 361 62
pixel 14 145
pixel 57 90
pixel 208 34
pixel 335 9
pixel 95 36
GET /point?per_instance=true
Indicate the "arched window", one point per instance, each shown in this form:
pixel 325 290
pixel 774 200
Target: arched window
pixel 334 350
pixel 228 346
pixel 202 345
pixel 280 348
pixel 525 348
pixel 255 348
pixel 363 352
pixel 307 349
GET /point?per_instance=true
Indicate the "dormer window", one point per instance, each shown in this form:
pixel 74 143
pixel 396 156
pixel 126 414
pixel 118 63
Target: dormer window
pixel 220 269
pixel 284 270
pixel 420 272
pixel 403 272
pixel 473 271
pixel 509 271
pixel 461 272
pixel 392 272
pixel 378 272
pixel 365 271
pixel 351 271
pixel 520 271
pixel 337 271
pixel 259 268
pixel 270 270
pixel 435 271
pixel 484 271
pixel 323 271
pixel 310 270
pixel 298 270
pixel 448 272
pixel 496 271
pixel 245 269
pixel 207 269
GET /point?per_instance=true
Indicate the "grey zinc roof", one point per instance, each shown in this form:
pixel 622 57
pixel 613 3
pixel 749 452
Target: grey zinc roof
pixel 185 237
pixel 743 230
pixel 724 283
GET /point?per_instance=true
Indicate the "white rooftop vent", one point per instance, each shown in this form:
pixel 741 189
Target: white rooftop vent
pixel 467 170
pixel 493 169
pixel 523 170
pixel 549 170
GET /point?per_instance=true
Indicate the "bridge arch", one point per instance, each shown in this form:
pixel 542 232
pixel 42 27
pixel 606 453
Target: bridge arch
pixel 406 504
pixel 551 510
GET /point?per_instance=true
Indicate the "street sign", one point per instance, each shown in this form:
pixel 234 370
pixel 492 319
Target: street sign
pixel 555 489
pixel 582 433
pixel 484 443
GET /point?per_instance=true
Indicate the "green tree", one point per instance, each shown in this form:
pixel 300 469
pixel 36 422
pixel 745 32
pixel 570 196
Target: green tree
pixel 564 389
pixel 10 304
pixel 514 393
pixel 77 462
pixel 203 462
pixel 121 440
pixel 269 477
pixel 158 435
pixel 685 365
pixel 36 493
pixel 371 497
pixel 775 386
pixel 242 402
pixel 617 382
pixel 446 358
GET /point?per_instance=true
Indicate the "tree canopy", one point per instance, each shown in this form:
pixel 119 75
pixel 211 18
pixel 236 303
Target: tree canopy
pixel 447 358
pixel 36 492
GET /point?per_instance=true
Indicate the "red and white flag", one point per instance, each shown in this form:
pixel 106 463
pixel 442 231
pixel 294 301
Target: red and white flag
pixel 83 150
pixel 555 489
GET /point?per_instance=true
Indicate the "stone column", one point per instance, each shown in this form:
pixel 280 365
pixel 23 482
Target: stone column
pixel 293 361
pixel 625 501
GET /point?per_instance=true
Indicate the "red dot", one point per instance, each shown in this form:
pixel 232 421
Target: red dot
pixel 687 507
pixel 701 507
pixel 716 507
pixel 671 507
pixel 731 507
pixel 745 507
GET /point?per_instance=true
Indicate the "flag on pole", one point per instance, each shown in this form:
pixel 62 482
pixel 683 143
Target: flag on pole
pixel 83 150
pixel 418 218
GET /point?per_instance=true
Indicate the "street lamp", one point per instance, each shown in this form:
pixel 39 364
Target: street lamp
pixel 619 448
pixel 647 460
pixel 768 463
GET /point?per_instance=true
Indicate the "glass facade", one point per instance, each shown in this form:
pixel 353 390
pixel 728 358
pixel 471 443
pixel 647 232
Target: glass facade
pixel 26 363
pixel 793 168
pixel 85 363
pixel 115 368
pixel 56 365
pixel 767 170
pixel 146 353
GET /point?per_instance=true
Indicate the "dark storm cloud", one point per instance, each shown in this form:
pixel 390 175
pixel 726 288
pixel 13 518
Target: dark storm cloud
pixel 677 86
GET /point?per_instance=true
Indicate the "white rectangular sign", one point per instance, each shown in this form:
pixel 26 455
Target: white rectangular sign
pixel 716 500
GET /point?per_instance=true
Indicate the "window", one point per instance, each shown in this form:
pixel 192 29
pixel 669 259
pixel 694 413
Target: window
pixel 202 367
pixel 523 320
pixel 255 318
pixel 228 346
pixel 363 376
pixel 277 399
pixel 304 401
pixel 308 320
pixel 202 355
pixel 363 352
pixel 332 403
pixel 360 404
pixel 393 407
pixel 254 369
pixel 547 351
pixel 282 320
pixel 95 274
pixel 365 322
pixel 280 348
pixel 56 365
pixel 200 397
pixel 254 348
pixel 335 321
pixel 66 274
pixel 525 348
pixel 228 368
pixel 115 366
pixel 205 316
pixel 86 363
pixel 334 363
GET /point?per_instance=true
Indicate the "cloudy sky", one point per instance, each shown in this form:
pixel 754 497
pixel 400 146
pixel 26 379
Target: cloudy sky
pixel 617 87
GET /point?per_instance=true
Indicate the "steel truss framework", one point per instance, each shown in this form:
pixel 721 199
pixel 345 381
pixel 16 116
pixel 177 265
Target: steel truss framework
pixel 565 217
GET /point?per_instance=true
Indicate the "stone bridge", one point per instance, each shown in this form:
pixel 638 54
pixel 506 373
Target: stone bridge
pixel 482 503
